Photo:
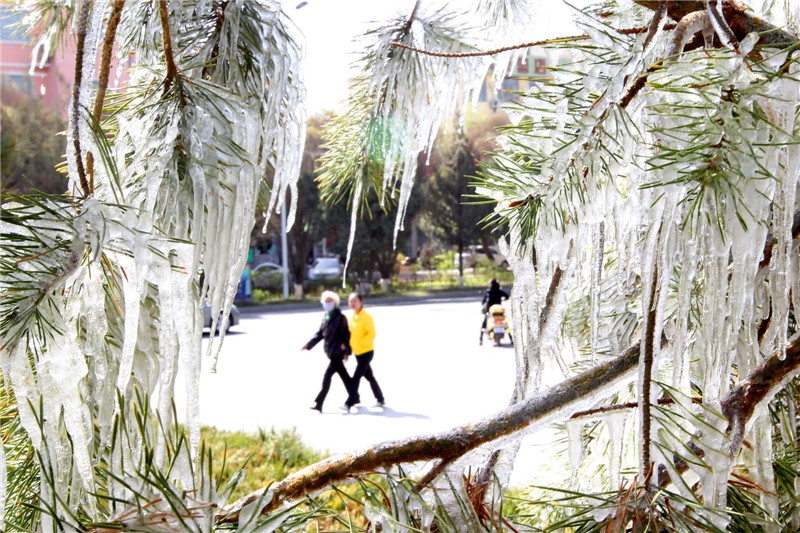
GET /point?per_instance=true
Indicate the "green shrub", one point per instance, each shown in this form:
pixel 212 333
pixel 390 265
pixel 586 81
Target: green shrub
pixel 444 261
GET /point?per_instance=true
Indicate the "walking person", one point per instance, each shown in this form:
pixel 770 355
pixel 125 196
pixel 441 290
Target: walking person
pixel 493 295
pixel 336 334
pixel 362 337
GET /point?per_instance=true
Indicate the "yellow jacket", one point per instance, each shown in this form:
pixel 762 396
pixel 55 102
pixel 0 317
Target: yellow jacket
pixel 362 332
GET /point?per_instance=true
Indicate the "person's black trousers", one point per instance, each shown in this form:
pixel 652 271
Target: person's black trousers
pixel 364 369
pixel 335 366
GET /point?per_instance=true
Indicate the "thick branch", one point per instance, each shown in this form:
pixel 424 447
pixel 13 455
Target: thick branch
pixel 758 389
pixel 172 69
pixel 83 22
pixel 557 403
pixel 741 22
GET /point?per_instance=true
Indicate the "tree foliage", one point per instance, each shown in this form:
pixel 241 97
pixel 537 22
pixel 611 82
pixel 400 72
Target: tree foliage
pixel 31 148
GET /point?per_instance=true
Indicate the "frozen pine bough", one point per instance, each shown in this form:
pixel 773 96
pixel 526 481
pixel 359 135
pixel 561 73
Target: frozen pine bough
pixel 103 288
pixel 649 192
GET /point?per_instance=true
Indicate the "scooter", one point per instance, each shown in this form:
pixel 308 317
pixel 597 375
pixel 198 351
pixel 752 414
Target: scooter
pixel 497 325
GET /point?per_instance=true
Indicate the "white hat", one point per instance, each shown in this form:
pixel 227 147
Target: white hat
pixel 329 294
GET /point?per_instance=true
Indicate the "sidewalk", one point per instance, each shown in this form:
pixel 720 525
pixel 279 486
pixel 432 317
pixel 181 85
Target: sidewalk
pixel 454 295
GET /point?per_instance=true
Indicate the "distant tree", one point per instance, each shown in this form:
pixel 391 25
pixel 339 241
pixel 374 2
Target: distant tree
pixel 449 214
pixel 31 146
pixel 308 228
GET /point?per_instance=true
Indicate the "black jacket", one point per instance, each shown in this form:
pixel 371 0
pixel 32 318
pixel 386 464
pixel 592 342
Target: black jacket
pixel 335 332
pixel 492 297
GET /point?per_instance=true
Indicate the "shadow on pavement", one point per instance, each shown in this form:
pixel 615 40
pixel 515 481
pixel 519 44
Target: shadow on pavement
pixel 388 412
pixel 231 333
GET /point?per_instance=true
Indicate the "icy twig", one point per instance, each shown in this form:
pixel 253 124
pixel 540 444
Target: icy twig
pixel 721 25
pixel 102 77
pixel 172 69
pixel 624 406
pixel 495 51
pixel 433 473
pixel 655 23
pixel 557 403
pixel 83 22
pixel 647 376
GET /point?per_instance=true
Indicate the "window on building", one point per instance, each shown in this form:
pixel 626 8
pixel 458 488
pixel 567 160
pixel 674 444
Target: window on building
pixel 21 82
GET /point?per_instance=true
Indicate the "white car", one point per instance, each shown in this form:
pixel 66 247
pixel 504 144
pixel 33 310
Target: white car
pixel 474 253
pixel 233 318
pixel 325 268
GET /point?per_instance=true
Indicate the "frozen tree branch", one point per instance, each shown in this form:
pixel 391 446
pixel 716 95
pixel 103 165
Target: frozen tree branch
pixel 557 403
pixel 172 69
pixel 105 70
pixel 624 31
pixel 740 22
pixel 83 22
pixel 646 365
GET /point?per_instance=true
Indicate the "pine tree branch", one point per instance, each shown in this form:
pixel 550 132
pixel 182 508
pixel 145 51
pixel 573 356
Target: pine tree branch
pixel 555 404
pixel 105 70
pixel 172 69
pixel 624 31
pixel 646 362
pixel 83 22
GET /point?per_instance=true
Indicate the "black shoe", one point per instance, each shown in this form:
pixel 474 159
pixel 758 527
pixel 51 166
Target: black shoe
pixel 316 408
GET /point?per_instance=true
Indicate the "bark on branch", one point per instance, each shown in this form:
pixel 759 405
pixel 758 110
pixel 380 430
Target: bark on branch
pixel 102 77
pixel 172 69
pixel 557 403
pixel 83 23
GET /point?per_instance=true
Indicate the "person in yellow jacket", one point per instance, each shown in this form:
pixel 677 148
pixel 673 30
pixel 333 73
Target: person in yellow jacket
pixel 362 337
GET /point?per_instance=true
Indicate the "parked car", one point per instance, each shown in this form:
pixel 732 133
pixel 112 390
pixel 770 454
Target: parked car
pixel 474 252
pixel 267 276
pixel 325 268
pixel 233 318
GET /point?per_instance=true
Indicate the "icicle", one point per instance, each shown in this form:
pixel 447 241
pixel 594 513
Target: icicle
pixel 3 482
pixel 575 436
pixel 597 277
pixel 615 424
pixel 353 218
pixel 762 442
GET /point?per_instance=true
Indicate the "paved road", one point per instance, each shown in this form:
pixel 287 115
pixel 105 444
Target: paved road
pixel 433 373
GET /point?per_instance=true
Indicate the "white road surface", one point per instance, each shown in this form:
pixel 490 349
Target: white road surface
pixel 431 369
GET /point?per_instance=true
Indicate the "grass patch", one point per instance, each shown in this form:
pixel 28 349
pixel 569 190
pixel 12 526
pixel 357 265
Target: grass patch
pixel 269 455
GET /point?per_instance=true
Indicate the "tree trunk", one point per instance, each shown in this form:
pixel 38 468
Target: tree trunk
pixel 461 264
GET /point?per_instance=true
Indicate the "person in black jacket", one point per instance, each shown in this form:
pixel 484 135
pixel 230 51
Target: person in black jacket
pixel 493 295
pixel 336 334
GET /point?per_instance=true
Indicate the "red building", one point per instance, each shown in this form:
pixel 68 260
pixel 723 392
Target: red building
pixel 52 81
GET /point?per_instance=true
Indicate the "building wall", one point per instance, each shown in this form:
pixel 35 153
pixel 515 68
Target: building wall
pixel 54 79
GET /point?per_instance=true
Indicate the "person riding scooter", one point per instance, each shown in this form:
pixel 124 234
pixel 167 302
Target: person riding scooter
pixel 494 295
